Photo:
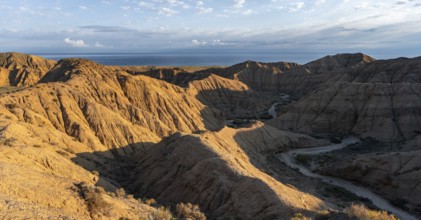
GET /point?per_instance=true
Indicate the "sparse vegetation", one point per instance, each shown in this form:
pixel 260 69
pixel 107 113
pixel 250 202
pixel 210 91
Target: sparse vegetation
pixel 300 216
pixel 8 141
pixel 189 211
pixel 303 159
pixel 120 192
pixel 62 153
pixel 9 89
pixel 361 212
pixel 323 215
pixel 150 202
pixel 95 172
pixel 93 199
pixel 345 195
pixel 162 213
pixel 70 150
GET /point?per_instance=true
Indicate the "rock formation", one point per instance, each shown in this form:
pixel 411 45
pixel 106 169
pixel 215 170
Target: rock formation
pixel 378 100
pixel 22 70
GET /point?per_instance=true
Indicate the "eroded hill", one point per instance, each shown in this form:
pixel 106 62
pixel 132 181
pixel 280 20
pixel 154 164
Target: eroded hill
pixel 83 127
pixel 22 70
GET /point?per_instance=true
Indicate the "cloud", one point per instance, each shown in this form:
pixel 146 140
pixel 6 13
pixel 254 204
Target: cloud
pixel 201 9
pixel 98 45
pixel 82 7
pixel 199 43
pixel 296 6
pixel 239 3
pixel 104 29
pixel 167 11
pixel 222 43
pixel 75 43
pixel 247 12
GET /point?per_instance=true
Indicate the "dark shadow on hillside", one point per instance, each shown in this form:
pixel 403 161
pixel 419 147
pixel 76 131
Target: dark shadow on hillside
pixel 113 165
pixel 176 76
pixel 182 169
pixel 236 104
pixel 286 175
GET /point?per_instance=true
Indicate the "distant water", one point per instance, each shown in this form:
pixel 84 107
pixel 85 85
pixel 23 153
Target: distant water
pixel 171 59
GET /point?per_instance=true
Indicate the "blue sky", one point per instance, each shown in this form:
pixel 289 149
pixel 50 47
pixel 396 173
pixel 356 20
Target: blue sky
pixel 387 28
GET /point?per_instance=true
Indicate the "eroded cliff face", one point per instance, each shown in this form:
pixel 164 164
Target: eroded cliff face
pixel 383 111
pixel 378 100
pixel 104 108
pixel 22 70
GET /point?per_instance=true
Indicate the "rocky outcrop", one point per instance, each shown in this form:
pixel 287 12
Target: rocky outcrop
pixel 22 70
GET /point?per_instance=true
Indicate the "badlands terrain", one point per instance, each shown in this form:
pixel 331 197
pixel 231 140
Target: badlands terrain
pixel 80 140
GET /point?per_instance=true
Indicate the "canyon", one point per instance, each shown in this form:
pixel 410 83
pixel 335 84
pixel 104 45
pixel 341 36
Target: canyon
pixel 81 140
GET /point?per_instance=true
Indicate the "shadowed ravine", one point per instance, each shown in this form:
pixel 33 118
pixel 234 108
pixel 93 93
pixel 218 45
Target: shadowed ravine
pixel 288 159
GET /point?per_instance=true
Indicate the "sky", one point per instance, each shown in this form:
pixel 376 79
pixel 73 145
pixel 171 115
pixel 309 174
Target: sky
pixel 387 28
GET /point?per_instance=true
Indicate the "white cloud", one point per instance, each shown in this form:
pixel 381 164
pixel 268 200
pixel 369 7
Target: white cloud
pixel 125 8
pixel 296 6
pixel 145 4
pixel 221 43
pixel 75 43
pixel 198 42
pixel 167 11
pixel 239 3
pixel 99 45
pixel 247 12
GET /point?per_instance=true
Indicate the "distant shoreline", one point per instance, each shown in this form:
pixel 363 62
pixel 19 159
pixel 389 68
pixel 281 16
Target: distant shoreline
pixel 182 59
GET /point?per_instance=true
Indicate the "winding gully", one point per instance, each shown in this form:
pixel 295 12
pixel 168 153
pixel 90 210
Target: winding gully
pixel 288 159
